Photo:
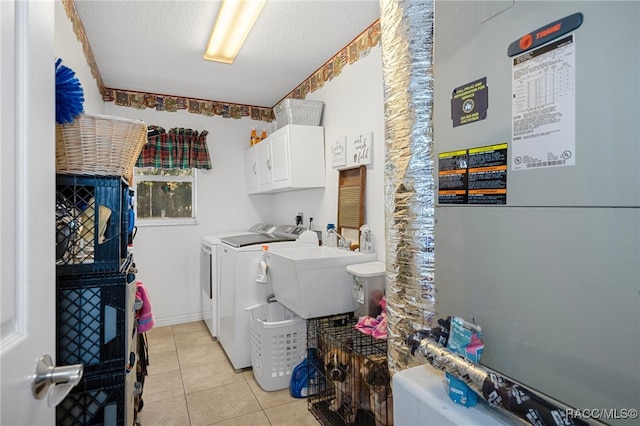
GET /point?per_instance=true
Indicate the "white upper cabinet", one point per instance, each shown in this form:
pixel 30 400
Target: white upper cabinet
pixel 251 170
pixel 291 158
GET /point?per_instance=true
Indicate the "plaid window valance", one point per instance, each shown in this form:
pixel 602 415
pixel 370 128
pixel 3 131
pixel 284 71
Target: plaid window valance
pixel 178 148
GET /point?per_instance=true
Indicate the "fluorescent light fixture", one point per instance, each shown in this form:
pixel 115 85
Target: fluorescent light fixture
pixel 235 20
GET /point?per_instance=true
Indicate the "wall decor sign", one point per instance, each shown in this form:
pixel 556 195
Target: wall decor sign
pixel 339 152
pixel 360 149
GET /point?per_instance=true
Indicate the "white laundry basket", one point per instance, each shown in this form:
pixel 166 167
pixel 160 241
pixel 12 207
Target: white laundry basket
pixel 278 344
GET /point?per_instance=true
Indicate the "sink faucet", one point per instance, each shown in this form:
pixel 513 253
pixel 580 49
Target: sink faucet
pixel 342 241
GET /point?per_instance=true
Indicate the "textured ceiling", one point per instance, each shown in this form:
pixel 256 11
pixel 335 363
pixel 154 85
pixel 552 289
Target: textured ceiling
pixel 157 46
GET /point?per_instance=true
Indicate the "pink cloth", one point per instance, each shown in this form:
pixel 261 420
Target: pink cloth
pixel 376 327
pixel 144 315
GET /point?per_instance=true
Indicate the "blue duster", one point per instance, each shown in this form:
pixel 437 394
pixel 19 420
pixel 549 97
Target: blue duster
pixel 69 94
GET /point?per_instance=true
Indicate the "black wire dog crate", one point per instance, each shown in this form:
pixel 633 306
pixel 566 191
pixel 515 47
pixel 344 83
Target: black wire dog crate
pixel 353 368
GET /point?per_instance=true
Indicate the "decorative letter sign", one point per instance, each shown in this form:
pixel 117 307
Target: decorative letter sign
pixel 339 152
pixel 360 149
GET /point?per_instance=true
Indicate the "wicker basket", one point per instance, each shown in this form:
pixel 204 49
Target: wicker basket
pixel 99 145
pixel 298 111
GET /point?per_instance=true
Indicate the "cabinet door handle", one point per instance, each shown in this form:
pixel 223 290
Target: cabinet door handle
pixel 254 169
pixel 269 163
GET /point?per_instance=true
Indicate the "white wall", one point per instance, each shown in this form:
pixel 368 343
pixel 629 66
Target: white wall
pixel 167 257
pixel 69 49
pixel 354 104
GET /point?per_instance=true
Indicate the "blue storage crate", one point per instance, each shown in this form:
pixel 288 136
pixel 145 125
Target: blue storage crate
pixel 92 219
pixel 96 400
pixel 91 322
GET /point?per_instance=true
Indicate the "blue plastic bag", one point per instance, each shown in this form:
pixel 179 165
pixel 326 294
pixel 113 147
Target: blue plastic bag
pixel 307 378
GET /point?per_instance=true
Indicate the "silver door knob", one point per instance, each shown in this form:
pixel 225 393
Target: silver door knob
pixel 62 378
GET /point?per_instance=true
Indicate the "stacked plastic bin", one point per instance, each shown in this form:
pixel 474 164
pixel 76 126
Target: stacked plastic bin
pixel 95 306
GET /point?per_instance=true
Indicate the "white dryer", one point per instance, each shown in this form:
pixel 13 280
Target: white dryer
pixel 239 257
pixel 209 270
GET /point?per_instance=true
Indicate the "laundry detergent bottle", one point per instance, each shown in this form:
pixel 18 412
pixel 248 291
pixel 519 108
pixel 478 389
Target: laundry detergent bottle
pixel 330 236
pixel 366 239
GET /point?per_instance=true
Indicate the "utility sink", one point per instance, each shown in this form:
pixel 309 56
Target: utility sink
pixel 313 281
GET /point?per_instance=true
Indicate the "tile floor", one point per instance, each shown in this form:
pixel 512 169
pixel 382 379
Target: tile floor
pixel 192 383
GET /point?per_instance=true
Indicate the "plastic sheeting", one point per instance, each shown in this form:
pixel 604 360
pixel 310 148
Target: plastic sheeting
pixel 407 33
pixel 499 391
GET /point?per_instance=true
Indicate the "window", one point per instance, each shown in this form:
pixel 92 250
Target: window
pixel 164 177
pixel 165 196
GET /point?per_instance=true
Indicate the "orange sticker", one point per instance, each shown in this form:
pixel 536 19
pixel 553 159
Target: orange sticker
pixel 526 42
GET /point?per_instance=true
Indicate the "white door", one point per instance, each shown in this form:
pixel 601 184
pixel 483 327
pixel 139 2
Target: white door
pixel 27 206
pixel 265 164
pixel 280 160
pixel 251 169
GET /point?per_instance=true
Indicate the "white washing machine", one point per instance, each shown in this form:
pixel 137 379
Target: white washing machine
pixel 209 270
pixel 239 257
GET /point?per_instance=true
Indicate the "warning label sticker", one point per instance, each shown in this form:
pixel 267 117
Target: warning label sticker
pixel 473 176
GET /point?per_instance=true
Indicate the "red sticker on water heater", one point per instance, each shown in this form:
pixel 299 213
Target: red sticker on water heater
pixel 545 34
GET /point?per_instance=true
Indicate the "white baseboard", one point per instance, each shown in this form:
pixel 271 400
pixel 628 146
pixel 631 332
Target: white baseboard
pixel 180 319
